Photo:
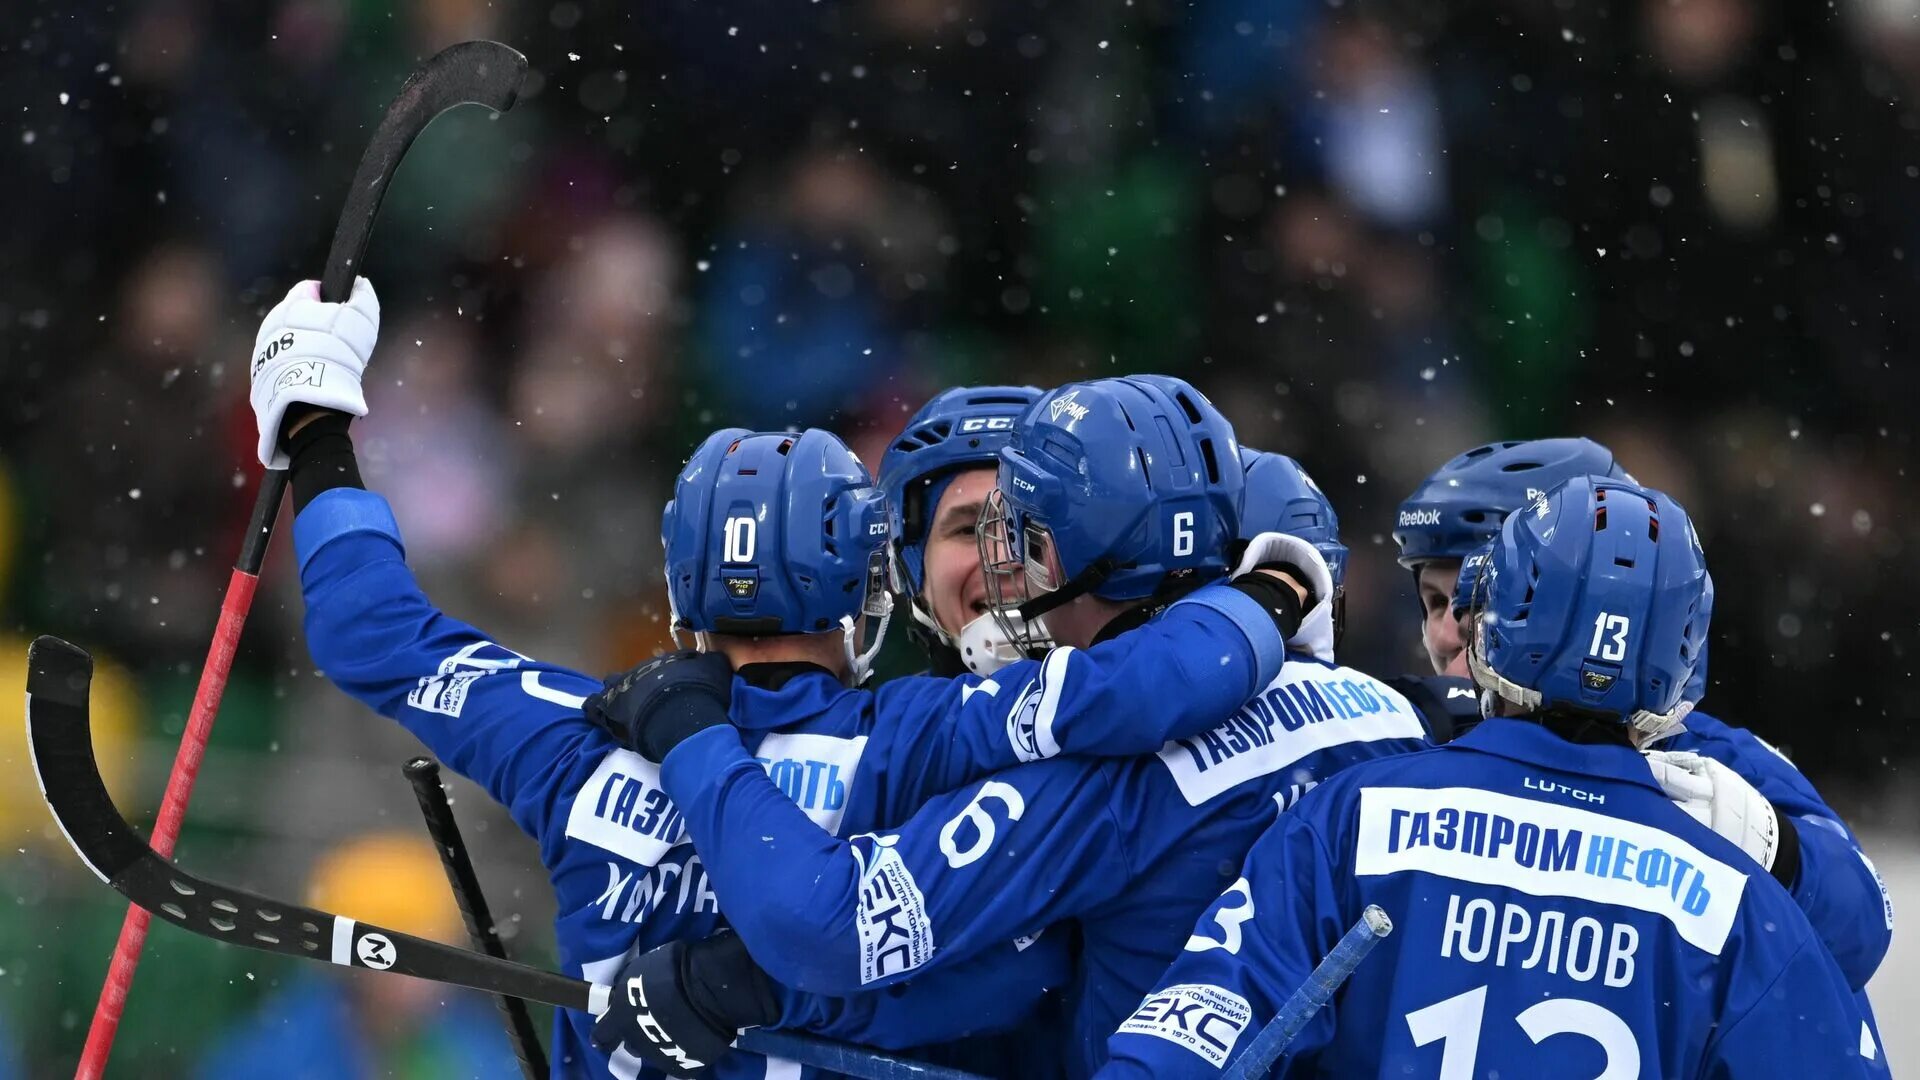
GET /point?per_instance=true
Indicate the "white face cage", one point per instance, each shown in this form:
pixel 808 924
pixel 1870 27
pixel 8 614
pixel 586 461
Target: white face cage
pixel 1015 574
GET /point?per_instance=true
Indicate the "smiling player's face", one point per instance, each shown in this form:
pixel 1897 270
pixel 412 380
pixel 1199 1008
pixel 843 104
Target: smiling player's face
pixel 955 590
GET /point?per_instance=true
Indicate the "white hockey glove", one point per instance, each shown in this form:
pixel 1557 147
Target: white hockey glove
pixel 311 353
pixel 1720 799
pixel 1315 636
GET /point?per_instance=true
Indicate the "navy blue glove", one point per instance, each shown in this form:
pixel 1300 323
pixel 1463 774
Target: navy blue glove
pixel 680 1006
pixel 650 709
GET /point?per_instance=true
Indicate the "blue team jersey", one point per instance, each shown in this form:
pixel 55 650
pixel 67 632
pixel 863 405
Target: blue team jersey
pixel 1554 914
pixel 1130 850
pixel 615 845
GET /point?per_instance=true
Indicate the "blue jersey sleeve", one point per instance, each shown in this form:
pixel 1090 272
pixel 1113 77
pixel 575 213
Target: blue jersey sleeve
pixel 1838 887
pixel 1176 676
pixel 970 870
pixel 1802 1023
pixel 1247 955
pixel 994 991
pixel 510 723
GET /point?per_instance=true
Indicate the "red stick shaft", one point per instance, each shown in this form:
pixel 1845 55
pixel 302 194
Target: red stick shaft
pixel 173 808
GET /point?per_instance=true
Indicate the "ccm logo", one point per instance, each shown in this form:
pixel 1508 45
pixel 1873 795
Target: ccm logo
pixel 987 423
pixel 878 528
pixel 1023 485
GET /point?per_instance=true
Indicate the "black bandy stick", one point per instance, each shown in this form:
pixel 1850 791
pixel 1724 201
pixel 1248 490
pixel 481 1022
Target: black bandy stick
pixel 59 735
pixel 481 72
pixel 424 774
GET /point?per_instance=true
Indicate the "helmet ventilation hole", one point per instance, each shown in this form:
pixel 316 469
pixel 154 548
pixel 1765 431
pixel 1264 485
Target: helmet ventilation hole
pixel 1206 456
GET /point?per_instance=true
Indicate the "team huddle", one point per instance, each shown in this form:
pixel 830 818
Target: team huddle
pixel 1135 798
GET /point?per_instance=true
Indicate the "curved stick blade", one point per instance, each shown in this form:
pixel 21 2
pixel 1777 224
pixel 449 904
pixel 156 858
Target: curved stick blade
pixel 60 738
pixel 484 73
pixel 58 730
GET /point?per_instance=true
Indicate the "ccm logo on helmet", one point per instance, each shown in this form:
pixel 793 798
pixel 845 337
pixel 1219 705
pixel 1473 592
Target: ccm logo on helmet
pixel 1415 518
pixel 987 423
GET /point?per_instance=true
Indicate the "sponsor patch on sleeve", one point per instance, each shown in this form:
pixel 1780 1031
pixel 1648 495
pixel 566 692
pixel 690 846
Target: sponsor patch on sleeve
pixel 1030 721
pixel 896 933
pixel 1202 1018
pixel 446 692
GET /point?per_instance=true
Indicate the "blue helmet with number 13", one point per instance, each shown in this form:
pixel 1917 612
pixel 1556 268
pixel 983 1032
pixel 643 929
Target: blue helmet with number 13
pixel 1594 602
pixel 777 533
pixel 1127 487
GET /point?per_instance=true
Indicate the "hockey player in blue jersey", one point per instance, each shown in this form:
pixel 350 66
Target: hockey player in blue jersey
pixel 1093 523
pixel 794 547
pixel 1556 914
pixel 937 473
pixel 1724 772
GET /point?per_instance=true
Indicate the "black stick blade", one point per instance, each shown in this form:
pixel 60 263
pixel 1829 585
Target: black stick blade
pixel 59 736
pixel 59 732
pixel 484 73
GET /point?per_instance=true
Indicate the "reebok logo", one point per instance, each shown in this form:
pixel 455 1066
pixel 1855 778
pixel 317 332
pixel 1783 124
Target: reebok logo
pixel 1413 519
pixel 1064 405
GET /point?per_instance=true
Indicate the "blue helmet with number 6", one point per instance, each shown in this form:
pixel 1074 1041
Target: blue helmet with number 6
pixel 777 533
pixel 1281 497
pixel 1594 603
pixel 1460 507
pixel 1133 483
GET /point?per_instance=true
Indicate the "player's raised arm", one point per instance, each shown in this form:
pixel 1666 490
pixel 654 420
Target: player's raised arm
pixel 494 715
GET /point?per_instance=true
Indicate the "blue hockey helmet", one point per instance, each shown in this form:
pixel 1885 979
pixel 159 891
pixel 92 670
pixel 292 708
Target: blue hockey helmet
pixel 959 428
pixel 1594 603
pixel 1281 497
pixel 1466 586
pixel 1460 507
pixel 1697 686
pixel 1134 483
pixel 777 533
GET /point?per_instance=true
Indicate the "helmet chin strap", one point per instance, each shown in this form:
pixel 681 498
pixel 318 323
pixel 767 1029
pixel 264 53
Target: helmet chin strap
pixel 925 619
pixel 860 664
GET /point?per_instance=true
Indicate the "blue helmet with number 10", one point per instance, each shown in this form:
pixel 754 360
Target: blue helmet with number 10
pixel 1594 602
pixel 777 533
pixel 1133 483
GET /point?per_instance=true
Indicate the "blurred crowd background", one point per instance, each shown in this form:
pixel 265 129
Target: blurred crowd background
pixel 1375 233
